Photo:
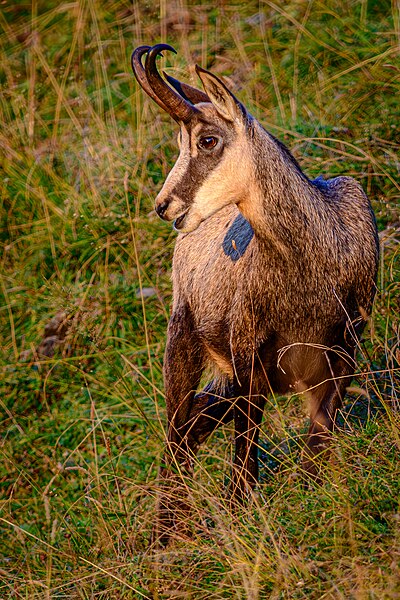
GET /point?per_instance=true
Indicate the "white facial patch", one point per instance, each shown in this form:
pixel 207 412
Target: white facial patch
pixel 228 182
pixel 176 206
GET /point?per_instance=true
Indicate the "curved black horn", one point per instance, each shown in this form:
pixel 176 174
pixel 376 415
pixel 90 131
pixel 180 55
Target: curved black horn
pixel 174 104
pixel 140 74
pixel 187 91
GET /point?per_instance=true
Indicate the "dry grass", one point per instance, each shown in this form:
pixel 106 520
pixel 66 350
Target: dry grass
pixel 83 154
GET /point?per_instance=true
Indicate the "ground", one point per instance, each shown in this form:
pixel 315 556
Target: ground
pixel 84 152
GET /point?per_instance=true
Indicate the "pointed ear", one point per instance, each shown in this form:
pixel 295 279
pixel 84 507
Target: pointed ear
pixel 223 100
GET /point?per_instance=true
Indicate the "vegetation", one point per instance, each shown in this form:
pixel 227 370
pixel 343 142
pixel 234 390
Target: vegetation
pixel 84 152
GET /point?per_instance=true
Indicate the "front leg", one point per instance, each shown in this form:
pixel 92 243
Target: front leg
pixel 248 412
pixel 248 415
pixel 211 408
pixel 183 366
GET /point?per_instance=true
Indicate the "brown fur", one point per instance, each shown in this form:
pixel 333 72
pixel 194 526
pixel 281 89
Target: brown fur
pixel 285 316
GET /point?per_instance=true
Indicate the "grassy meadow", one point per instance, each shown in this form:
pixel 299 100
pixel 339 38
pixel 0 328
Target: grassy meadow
pixel 82 425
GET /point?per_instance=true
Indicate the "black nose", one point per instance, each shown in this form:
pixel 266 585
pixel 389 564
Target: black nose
pixel 161 209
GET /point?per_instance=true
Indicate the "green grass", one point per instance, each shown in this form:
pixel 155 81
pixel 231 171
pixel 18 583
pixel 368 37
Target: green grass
pixel 83 153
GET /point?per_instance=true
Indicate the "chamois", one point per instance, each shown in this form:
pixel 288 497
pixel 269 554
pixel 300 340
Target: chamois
pixel 273 276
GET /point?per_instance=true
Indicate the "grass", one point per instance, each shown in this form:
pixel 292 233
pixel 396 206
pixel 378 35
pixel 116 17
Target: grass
pixel 83 155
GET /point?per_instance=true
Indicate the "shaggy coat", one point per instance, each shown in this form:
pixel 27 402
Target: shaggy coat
pixel 273 277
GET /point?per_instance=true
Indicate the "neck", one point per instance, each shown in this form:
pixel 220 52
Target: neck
pixel 281 203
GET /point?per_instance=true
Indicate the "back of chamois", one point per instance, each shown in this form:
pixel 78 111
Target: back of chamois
pixel 273 275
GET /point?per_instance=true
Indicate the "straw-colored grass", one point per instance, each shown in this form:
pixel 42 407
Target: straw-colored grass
pixel 83 153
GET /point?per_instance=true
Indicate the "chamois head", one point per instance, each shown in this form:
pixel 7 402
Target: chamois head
pixel 213 168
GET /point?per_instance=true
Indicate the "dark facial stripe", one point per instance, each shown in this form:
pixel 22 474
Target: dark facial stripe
pixel 203 164
pixel 193 179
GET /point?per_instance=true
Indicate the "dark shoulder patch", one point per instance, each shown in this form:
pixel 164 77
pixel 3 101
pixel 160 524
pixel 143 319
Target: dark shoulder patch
pixel 320 183
pixel 238 237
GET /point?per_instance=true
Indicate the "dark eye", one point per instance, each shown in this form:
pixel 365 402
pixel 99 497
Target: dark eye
pixel 207 143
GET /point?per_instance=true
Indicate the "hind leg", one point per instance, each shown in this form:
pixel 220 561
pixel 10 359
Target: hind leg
pixel 326 399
